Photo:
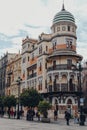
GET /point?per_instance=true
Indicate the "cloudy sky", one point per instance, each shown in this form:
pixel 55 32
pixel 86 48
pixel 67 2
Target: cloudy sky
pixel 19 18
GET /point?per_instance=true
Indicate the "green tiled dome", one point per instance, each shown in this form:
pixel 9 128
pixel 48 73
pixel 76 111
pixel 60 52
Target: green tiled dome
pixel 63 15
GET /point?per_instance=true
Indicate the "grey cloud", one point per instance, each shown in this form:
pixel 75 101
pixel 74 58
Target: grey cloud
pixel 32 26
pixel 22 33
pixel 42 28
pixel 5 41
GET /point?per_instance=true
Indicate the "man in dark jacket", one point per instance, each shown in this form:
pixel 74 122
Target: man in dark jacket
pixel 67 117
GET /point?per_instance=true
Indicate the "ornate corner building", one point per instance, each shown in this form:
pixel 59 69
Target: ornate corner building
pixel 49 64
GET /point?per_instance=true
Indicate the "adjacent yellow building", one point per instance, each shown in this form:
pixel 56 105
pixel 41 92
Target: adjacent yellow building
pixel 13 71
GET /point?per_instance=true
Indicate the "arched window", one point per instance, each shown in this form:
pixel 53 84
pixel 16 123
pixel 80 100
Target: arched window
pixel 69 101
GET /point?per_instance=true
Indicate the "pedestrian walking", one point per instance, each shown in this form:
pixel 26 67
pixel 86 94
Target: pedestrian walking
pixel 76 118
pixel 14 114
pixel 55 114
pixel 82 119
pixel 67 117
pixel 38 115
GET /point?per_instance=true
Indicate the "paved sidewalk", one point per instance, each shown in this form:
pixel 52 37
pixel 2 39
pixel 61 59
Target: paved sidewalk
pixel 60 121
pixel 14 124
pixel 22 124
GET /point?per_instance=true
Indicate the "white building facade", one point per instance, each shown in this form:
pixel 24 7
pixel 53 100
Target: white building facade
pixel 49 64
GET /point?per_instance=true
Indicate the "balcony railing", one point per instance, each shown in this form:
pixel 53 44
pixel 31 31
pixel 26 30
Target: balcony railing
pixel 61 88
pixel 54 88
pixel 32 75
pixel 60 67
pixel 64 87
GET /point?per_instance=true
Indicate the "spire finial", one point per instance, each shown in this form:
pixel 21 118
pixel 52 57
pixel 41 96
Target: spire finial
pixel 63 8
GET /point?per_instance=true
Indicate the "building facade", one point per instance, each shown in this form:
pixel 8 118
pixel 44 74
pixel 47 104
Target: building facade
pixel 84 82
pixel 3 65
pixel 49 64
pixel 13 71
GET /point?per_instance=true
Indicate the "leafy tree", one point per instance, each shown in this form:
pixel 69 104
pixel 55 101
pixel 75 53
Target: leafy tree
pixel 9 101
pixel 1 102
pixel 1 105
pixel 43 107
pixel 30 98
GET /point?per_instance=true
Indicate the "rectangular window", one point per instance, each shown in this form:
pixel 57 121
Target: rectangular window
pixel 46 48
pixel 45 65
pixel 69 43
pixel 32 56
pixel 24 59
pixel 54 45
pixel 68 28
pixel 40 66
pixel 28 58
pixel 54 64
pixel 40 84
pixel 40 49
pixel 32 47
pixel 69 63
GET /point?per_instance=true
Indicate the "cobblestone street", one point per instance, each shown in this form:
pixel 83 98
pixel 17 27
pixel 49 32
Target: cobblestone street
pixel 14 124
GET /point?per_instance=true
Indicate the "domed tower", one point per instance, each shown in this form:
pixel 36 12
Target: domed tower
pixel 65 29
pixel 62 72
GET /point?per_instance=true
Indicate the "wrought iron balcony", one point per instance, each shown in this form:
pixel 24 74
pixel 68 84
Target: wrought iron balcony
pixel 61 88
pixel 32 75
pixel 64 87
pixel 60 67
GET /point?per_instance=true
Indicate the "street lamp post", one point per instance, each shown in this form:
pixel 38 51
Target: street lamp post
pixel 81 99
pixel 18 83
